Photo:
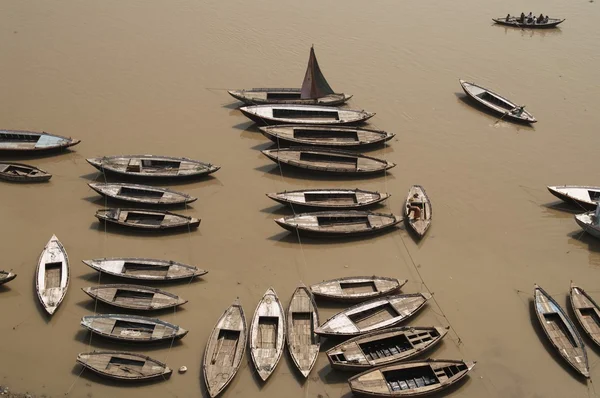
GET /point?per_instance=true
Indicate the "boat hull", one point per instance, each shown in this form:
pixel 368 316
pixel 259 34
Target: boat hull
pixel 513 23
pixel 22 142
pixel 260 96
pixel 587 205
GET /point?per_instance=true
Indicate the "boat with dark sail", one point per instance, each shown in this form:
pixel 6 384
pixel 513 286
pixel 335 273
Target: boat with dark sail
pixel 18 141
pixel 326 136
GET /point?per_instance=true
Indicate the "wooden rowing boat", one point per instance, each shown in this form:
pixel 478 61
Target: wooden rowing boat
pixel 331 199
pixel 19 172
pixel 304 114
pixel 357 288
pixel 267 334
pixel 225 349
pixel 52 275
pixel 121 365
pixel 514 22
pixel 132 328
pixel 142 194
pixel 560 331
pixel 588 223
pixel 146 219
pixel 145 268
pixel 30 141
pixel 134 297
pixel 384 347
pixel 6 276
pixel 587 312
pixel 152 166
pixel 326 136
pixel 409 379
pixel 417 197
pixel 302 320
pixel 497 103
pixel 373 315
pixel 585 197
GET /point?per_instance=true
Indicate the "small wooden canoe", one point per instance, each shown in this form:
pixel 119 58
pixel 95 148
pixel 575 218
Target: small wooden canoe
pixel 514 22
pixel 497 103
pixel 560 331
pixel 132 328
pixel 328 161
pixel 304 114
pixel 338 199
pixel 146 219
pixel 327 136
pixel 30 141
pixel 357 288
pixel 143 194
pixel 6 276
pixel 417 197
pixel 289 96
pixel 52 275
pixel 123 365
pixel 337 224
pixel 384 347
pixel 152 166
pixel 145 268
pixel 134 297
pixel 225 349
pixel 373 315
pixel 302 320
pixel 267 334
pixel 409 379
pixel 19 172
pixel 581 196
pixel 587 222
pixel 587 312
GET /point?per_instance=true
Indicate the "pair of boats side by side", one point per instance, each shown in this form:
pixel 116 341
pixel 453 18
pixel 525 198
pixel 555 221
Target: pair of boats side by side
pixel 585 198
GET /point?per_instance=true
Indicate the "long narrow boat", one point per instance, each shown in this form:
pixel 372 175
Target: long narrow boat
pixel 357 288
pixel 585 197
pixel 417 197
pixel 134 297
pixel 132 328
pixel 497 103
pixel 514 22
pixel 338 224
pixel 121 365
pixel 409 379
pixel 145 268
pixel 589 223
pixel 560 331
pixel 330 199
pixel 52 275
pixel 30 141
pixel 384 347
pixel 302 320
pixel 326 136
pixel 267 334
pixel 146 219
pixel 225 349
pixel 6 276
pixel 142 194
pixel 152 166
pixel 304 114
pixel 20 172
pixel 587 312
pixel 373 315
pixel 328 160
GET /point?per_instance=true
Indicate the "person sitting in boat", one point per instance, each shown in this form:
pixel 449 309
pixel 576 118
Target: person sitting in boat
pixel 530 17
pixel 522 18
pixel 596 216
pixel 546 19
pixel 412 208
pixel 540 18
pixel 507 17
pixel 517 110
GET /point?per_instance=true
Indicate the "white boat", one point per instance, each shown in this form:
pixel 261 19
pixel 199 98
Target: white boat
pixel 578 195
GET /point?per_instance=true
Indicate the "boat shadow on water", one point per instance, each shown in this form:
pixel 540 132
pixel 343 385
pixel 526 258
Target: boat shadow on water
pixel 272 171
pixel 494 117
pixel 104 202
pixel 100 343
pixel 162 182
pixel 525 32
pixel 99 307
pixel 292 237
pixel 104 278
pixel 96 378
pixel 582 238
pixel 129 231
pixel 563 209
pixel 8 156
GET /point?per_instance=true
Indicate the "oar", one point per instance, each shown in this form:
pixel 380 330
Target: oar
pixel 499 120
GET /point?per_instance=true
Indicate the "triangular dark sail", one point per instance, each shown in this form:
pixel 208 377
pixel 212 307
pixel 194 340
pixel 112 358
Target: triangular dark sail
pixel 314 85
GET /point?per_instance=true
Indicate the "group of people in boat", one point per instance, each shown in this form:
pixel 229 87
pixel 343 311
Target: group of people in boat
pixel 529 19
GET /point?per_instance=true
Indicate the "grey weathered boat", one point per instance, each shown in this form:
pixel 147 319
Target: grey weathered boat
pixel 142 194
pixel 328 160
pixel 373 315
pixel 560 331
pixel 327 136
pixel 52 275
pixel 338 199
pixel 586 197
pixel 384 347
pixel 514 22
pixel 267 334
pixel 409 379
pixel 497 103
pixel 19 172
pixel 587 312
pixel 421 200
pixel 304 114
pixel 132 328
pixel 357 288
pixel 30 141
pixel 121 365
pixel 302 320
pixel 336 224
pixel 134 297
pixel 6 276
pixel 225 349
pixel 146 219
pixel 587 222
pixel 152 166
pixel 145 268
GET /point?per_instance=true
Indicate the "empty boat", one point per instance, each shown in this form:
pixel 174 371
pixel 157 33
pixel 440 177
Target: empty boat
pixel 152 166
pixel 19 172
pixel 581 196
pixel 357 288
pixel 30 141
pixel 331 199
pixel 146 219
pixel 6 276
pixel 145 268
pixel 560 331
pixel 52 275
pixel 267 334
pixel 123 365
pixel 589 223
pixel 225 349
pixel 384 347
pixel 586 312
pixel 132 328
pixel 373 315
pixel 328 136
pixel 142 194
pixel 302 320
pixel 134 297
pixel 304 114
pixel 409 379
pixel 417 211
